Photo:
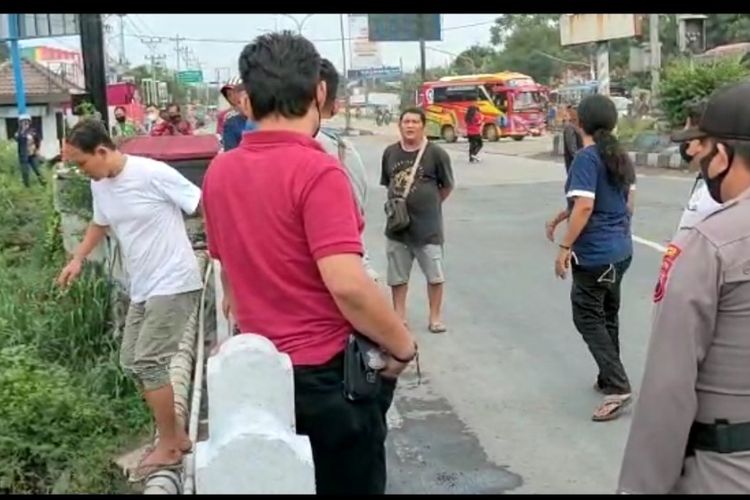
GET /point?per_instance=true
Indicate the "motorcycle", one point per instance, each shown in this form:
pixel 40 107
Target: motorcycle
pixel 383 117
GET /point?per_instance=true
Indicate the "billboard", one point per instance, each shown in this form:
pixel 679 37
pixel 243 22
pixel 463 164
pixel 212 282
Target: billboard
pixel 365 54
pixel 41 25
pixel 404 27
pixel 382 72
pixel 584 28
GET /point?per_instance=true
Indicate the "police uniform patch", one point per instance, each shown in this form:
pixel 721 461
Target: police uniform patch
pixel 670 255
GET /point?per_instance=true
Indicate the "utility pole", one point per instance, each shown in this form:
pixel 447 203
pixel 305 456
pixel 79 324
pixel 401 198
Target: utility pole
pixel 122 40
pixel 177 50
pixel 653 31
pixel 422 47
pixel 602 67
pixel 92 49
pixel 15 56
pixel 345 78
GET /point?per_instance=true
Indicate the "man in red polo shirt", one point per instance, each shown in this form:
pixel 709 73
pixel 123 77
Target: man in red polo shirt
pixel 281 217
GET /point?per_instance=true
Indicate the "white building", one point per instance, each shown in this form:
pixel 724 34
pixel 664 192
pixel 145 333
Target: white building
pixel 47 99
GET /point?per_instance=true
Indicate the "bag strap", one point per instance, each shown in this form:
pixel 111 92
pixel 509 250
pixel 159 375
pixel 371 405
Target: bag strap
pixel 414 167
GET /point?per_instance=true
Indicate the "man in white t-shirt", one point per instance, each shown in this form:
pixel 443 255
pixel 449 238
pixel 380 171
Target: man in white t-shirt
pixel 141 201
pixel 701 204
pixel 343 149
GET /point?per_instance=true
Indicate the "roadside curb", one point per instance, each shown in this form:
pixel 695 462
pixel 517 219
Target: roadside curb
pixel 671 161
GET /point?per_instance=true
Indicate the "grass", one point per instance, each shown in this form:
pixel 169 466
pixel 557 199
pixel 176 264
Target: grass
pixel 66 408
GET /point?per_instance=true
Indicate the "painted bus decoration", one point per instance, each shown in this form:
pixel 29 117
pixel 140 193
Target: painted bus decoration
pixel 512 104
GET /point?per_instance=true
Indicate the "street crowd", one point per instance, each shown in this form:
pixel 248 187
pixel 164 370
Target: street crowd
pixel 283 208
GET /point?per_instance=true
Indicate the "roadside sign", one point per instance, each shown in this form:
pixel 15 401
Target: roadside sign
pixel 41 25
pixel 404 27
pixel 190 76
pixel 384 73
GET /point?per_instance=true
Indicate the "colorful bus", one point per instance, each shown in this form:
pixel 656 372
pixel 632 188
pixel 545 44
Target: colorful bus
pixel 512 104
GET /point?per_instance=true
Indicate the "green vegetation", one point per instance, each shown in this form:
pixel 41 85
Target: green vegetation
pixel 684 81
pixel 67 409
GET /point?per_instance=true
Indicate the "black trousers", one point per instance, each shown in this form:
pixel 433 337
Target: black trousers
pixel 475 145
pixel 347 438
pixel 595 297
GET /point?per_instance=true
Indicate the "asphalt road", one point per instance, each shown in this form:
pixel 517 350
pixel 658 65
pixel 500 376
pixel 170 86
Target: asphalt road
pixel 506 397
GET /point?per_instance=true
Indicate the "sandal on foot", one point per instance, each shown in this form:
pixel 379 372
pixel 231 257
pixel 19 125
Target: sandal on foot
pixel 437 328
pixel 142 472
pixel 614 404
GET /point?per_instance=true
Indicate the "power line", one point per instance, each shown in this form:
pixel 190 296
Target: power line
pixel 314 40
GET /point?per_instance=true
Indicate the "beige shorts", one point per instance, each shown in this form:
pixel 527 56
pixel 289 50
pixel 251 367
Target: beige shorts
pixel 401 257
pixel 153 330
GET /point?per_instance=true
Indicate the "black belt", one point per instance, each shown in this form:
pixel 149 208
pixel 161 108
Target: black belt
pixel 719 437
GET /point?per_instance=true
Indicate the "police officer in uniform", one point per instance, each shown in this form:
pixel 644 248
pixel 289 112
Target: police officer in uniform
pixel 691 428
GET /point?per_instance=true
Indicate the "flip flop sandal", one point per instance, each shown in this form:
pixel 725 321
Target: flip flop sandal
pixel 142 472
pixel 437 328
pixel 148 449
pixel 617 403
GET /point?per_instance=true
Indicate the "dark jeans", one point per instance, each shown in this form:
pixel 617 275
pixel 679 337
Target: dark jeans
pixel 595 297
pixel 347 438
pixel 31 163
pixel 475 145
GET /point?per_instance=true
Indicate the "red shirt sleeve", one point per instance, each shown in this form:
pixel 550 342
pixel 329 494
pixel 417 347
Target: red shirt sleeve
pixel 208 222
pixel 331 218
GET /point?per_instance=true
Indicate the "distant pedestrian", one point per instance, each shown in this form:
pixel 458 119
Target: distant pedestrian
pixel 598 246
pixel 571 135
pixel 123 127
pixel 418 175
pixel 701 204
pixel 173 124
pixel 474 124
pixel 234 122
pixel 28 142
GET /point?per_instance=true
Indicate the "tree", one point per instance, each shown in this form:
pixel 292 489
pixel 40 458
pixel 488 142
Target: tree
pixel 475 59
pixel 722 29
pixel 684 80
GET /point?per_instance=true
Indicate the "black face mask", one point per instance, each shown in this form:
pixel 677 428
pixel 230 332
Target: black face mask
pixel 683 152
pixel 120 119
pixel 714 183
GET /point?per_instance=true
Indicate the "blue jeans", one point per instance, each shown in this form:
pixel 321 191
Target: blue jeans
pixel 31 163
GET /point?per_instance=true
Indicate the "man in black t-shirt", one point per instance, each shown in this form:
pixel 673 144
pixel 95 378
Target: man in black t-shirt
pixel 423 238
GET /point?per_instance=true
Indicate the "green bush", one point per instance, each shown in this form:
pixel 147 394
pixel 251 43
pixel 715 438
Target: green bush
pixel 47 420
pixel 684 81
pixel 629 128
pixel 65 406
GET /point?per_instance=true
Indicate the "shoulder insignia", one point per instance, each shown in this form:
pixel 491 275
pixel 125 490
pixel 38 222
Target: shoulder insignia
pixel 670 255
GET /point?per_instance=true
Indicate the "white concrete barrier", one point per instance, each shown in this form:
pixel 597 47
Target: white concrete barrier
pixel 223 325
pixel 252 447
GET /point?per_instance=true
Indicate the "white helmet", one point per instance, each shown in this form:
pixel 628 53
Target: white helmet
pixel 24 117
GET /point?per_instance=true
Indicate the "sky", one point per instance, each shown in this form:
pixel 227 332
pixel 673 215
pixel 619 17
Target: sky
pixel 232 31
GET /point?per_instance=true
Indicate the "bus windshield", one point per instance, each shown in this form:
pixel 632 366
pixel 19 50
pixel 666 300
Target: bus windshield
pixel 527 100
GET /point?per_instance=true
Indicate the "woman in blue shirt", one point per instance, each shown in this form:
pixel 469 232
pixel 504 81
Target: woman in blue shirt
pixel 598 245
